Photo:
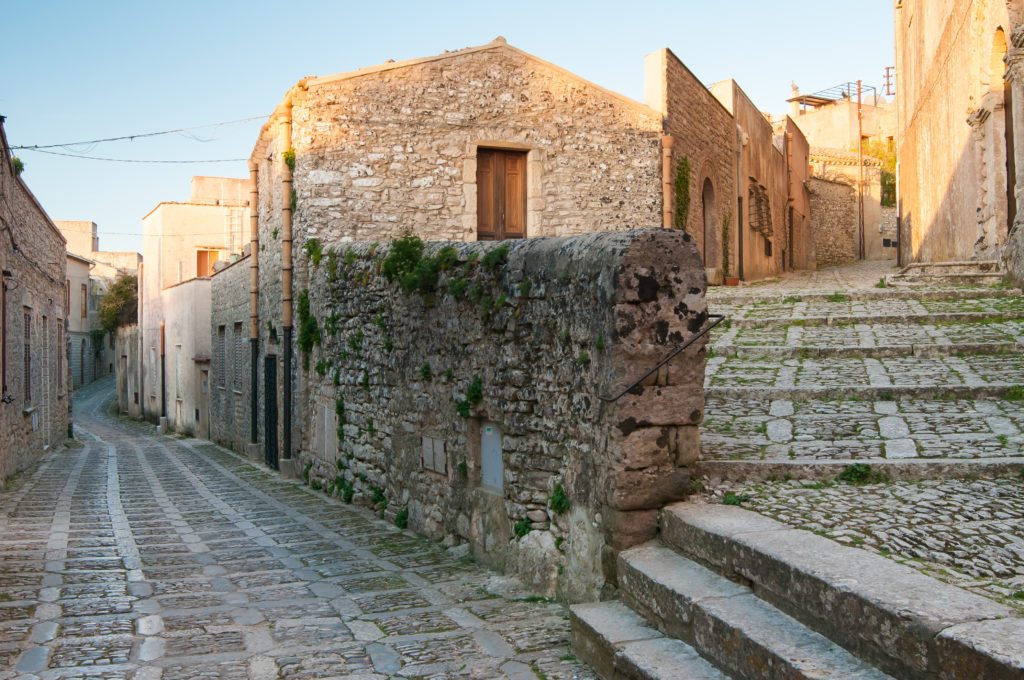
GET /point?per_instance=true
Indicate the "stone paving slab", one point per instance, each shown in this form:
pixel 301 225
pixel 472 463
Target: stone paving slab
pixel 968 532
pixel 763 428
pixel 213 568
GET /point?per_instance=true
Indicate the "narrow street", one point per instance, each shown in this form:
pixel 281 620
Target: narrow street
pixel 132 555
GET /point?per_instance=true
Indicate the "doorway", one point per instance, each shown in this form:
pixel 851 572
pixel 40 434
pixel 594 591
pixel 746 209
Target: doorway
pixel 270 410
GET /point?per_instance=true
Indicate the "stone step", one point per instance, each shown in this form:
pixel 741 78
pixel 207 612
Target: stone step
pixel 909 624
pixel 757 351
pixel 616 642
pixel 723 297
pixel 726 622
pixel 737 318
pixel 997 390
pixel 898 470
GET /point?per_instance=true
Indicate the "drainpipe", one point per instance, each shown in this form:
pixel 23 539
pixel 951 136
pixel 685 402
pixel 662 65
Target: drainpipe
pixel 163 375
pixel 666 180
pixel 286 285
pixel 254 318
pixel 740 143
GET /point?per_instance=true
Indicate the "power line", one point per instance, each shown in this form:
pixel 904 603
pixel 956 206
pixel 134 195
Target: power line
pixel 36 147
pixel 127 160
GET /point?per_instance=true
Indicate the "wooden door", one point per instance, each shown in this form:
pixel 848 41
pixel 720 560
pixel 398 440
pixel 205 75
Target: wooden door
pixel 501 194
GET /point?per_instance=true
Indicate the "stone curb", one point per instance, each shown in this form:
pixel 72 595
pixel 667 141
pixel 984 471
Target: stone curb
pixel 904 470
pixel 865 392
pixel 909 624
pixel 905 319
pixel 866 295
pixel 872 352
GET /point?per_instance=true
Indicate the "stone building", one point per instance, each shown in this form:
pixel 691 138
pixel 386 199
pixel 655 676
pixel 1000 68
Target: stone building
pixel 484 143
pixel 91 271
pixel 960 135
pixel 182 243
pixel 34 389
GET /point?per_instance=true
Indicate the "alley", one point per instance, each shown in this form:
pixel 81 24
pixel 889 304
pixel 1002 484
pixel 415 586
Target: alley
pixel 140 556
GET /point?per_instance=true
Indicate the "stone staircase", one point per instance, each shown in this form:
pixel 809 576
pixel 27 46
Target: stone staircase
pixel 910 384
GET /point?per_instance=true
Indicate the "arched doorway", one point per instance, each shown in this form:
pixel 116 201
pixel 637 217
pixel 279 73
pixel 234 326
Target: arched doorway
pixel 707 201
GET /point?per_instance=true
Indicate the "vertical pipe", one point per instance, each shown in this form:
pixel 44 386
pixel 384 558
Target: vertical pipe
pixel 666 181
pixel 286 284
pixel 254 317
pixel 860 181
pixel 163 375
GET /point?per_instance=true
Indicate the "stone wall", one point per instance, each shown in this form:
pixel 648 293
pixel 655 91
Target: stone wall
pixel 230 415
pixel 833 221
pixel 407 392
pixel 889 230
pixel 704 133
pixel 34 411
pixel 127 369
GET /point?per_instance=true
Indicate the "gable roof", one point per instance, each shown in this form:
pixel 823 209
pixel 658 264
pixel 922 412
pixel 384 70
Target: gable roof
pixel 498 44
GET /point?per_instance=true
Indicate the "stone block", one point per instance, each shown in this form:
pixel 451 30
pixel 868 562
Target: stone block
pixel 992 649
pixel 626 528
pixel 661 405
pixel 650 488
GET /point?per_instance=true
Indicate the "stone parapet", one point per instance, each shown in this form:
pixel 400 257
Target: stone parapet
pixel 406 393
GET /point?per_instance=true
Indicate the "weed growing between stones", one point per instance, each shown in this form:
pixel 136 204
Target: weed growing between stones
pixel 314 251
pixel 521 528
pixel 402 518
pixel 735 499
pixel 859 474
pixel 559 500
pixel 837 297
pixel 1015 393
pixel 289 159
pixel 425 371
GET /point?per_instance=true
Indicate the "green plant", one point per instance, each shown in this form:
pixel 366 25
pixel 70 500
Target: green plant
pixel 331 323
pixel 524 287
pixel 405 254
pixel 379 322
pixel 321 367
pixel 293 201
pixel 309 330
pixel 564 336
pixel 273 234
pixel 462 407
pixel 1014 393
pixel 119 307
pixel 559 500
pixel 495 258
pixel 306 469
pixel 599 345
pixel 521 528
pixel 314 251
pixel 735 499
pixel 364 381
pixel 347 491
pixel 837 297
pixel 682 186
pixel 315 484
pixel 17 165
pixel 463 469
pixel 425 371
pixel 446 258
pixel 457 287
pixel 486 304
pixel 402 518
pixel 389 343
pixel 881 283
pixel 289 159
pixel 583 359
pixel 448 373
pixel 355 341
pixel 726 220
pixel 377 495
pixel 857 474
pixel 475 392
pixel 370 428
pixel 1018 595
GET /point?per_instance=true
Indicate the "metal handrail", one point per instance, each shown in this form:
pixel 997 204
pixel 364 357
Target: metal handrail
pixel 719 318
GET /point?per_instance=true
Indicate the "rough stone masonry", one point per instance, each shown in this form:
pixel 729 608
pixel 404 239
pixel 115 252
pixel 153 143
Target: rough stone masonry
pixel 471 409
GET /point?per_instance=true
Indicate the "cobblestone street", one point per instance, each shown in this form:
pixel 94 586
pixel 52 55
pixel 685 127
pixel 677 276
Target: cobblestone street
pixel 141 556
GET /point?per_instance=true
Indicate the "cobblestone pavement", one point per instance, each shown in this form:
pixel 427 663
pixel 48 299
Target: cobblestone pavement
pixel 823 367
pixel 141 557
pixel 966 532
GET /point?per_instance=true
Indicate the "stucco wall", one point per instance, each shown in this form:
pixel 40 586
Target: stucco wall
pixel 126 370
pixel 560 323
pixel 945 72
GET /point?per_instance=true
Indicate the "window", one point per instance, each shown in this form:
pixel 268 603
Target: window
pixel 433 455
pixel 222 359
pixel 28 357
pixel 85 300
pixel 239 357
pixel 760 218
pixel 205 260
pixel 500 194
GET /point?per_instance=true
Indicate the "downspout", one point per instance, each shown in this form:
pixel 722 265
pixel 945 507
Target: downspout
pixel 163 375
pixel 739 196
pixel 789 193
pixel 254 318
pixel 286 285
pixel 139 345
pixel 666 180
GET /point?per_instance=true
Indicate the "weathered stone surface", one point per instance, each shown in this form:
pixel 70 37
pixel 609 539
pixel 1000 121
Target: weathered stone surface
pixel 986 649
pixel 648 489
pixel 600 628
pixel 626 528
pixel 663 659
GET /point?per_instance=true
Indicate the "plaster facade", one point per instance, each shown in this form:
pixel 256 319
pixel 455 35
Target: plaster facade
pixel 961 127
pixel 129 370
pixel 181 243
pixel 34 394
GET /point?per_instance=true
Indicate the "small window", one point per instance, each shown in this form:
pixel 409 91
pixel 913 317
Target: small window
pixel 434 455
pixel 205 260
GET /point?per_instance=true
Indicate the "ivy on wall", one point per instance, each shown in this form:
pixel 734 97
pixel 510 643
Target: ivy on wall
pixel 682 194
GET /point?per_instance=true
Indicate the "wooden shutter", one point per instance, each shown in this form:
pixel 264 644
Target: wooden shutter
pixel 501 194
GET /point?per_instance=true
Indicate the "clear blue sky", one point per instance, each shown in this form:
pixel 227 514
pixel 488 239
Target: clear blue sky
pixel 79 71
